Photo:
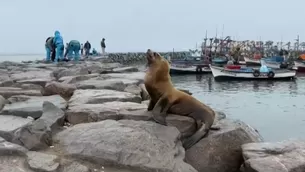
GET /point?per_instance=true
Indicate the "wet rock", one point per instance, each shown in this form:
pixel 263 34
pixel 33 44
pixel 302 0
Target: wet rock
pixel 285 156
pixel 126 69
pixel 112 84
pixel 97 112
pixel 221 150
pixel 12 91
pixel 32 106
pixel 157 147
pixel 75 167
pixel 62 89
pixel 42 162
pixel 52 115
pixel 101 96
pixel 11 149
pixel 35 136
pixel 37 81
pixel 9 124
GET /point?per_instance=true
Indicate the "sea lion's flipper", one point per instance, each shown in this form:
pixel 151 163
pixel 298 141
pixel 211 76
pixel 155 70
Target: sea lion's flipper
pixel 160 110
pixel 192 140
pixel 151 105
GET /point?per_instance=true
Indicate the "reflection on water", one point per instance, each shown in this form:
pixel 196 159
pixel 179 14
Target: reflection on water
pixel 275 108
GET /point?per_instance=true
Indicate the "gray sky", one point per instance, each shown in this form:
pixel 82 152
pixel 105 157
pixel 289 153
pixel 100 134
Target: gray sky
pixel 135 25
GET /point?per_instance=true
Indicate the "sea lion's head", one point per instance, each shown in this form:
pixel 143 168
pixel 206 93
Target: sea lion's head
pixel 156 61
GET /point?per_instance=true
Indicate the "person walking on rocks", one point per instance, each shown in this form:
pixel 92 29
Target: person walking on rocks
pixel 58 42
pixel 82 49
pixel 103 45
pixel 87 48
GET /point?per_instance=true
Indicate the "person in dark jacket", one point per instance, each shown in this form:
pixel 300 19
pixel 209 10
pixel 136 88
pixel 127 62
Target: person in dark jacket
pixel 103 45
pixel 87 48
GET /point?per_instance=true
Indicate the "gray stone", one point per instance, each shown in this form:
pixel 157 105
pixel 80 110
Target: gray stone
pixel 37 81
pixel 139 145
pixel 221 150
pixel 42 162
pixel 11 149
pixel 139 76
pixel 13 164
pixel 31 87
pixel 52 115
pixel 7 83
pixel 34 136
pixel 134 89
pixel 62 89
pixel 7 92
pixel 91 96
pixel 32 106
pixel 285 156
pixel 125 69
pixel 77 78
pixel 75 167
pixel 111 84
pixel 3 102
pixel 25 75
pixel 9 124
pixel 97 112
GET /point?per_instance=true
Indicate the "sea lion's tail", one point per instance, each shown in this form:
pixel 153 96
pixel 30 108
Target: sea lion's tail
pixel 192 140
pixel 202 131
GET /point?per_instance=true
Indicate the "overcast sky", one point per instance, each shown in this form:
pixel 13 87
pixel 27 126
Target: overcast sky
pixel 135 25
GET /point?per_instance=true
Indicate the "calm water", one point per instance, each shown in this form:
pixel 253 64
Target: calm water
pixel 21 57
pixel 276 109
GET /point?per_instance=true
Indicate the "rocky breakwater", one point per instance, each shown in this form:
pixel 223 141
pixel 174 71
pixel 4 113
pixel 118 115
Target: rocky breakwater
pixel 92 117
pixel 140 57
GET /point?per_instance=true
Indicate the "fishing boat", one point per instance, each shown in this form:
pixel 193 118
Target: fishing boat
pixel 189 69
pixel 252 61
pixel 299 66
pixel 240 72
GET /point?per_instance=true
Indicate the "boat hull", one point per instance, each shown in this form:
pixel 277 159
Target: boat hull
pixel 220 73
pixel 252 62
pixel 189 70
pixel 299 66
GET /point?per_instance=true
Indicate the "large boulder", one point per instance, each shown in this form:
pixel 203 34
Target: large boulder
pixel 62 89
pixel 42 162
pixel 7 92
pixel 221 150
pixel 97 112
pixel 38 134
pixel 139 145
pixel 27 75
pixel 111 84
pixel 31 105
pixel 92 96
pixel 285 156
pixel 9 124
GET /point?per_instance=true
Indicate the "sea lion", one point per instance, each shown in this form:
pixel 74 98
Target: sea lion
pixel 165 98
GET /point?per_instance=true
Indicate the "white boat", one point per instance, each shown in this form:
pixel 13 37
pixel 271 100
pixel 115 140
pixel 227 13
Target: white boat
pixel 251 61
pixel 221 72
pixel 299 66
pixel 192 69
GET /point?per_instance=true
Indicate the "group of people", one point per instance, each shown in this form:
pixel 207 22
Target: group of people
pixel 55 49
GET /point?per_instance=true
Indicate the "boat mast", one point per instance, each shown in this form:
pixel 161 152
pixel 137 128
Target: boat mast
pixel 205 42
